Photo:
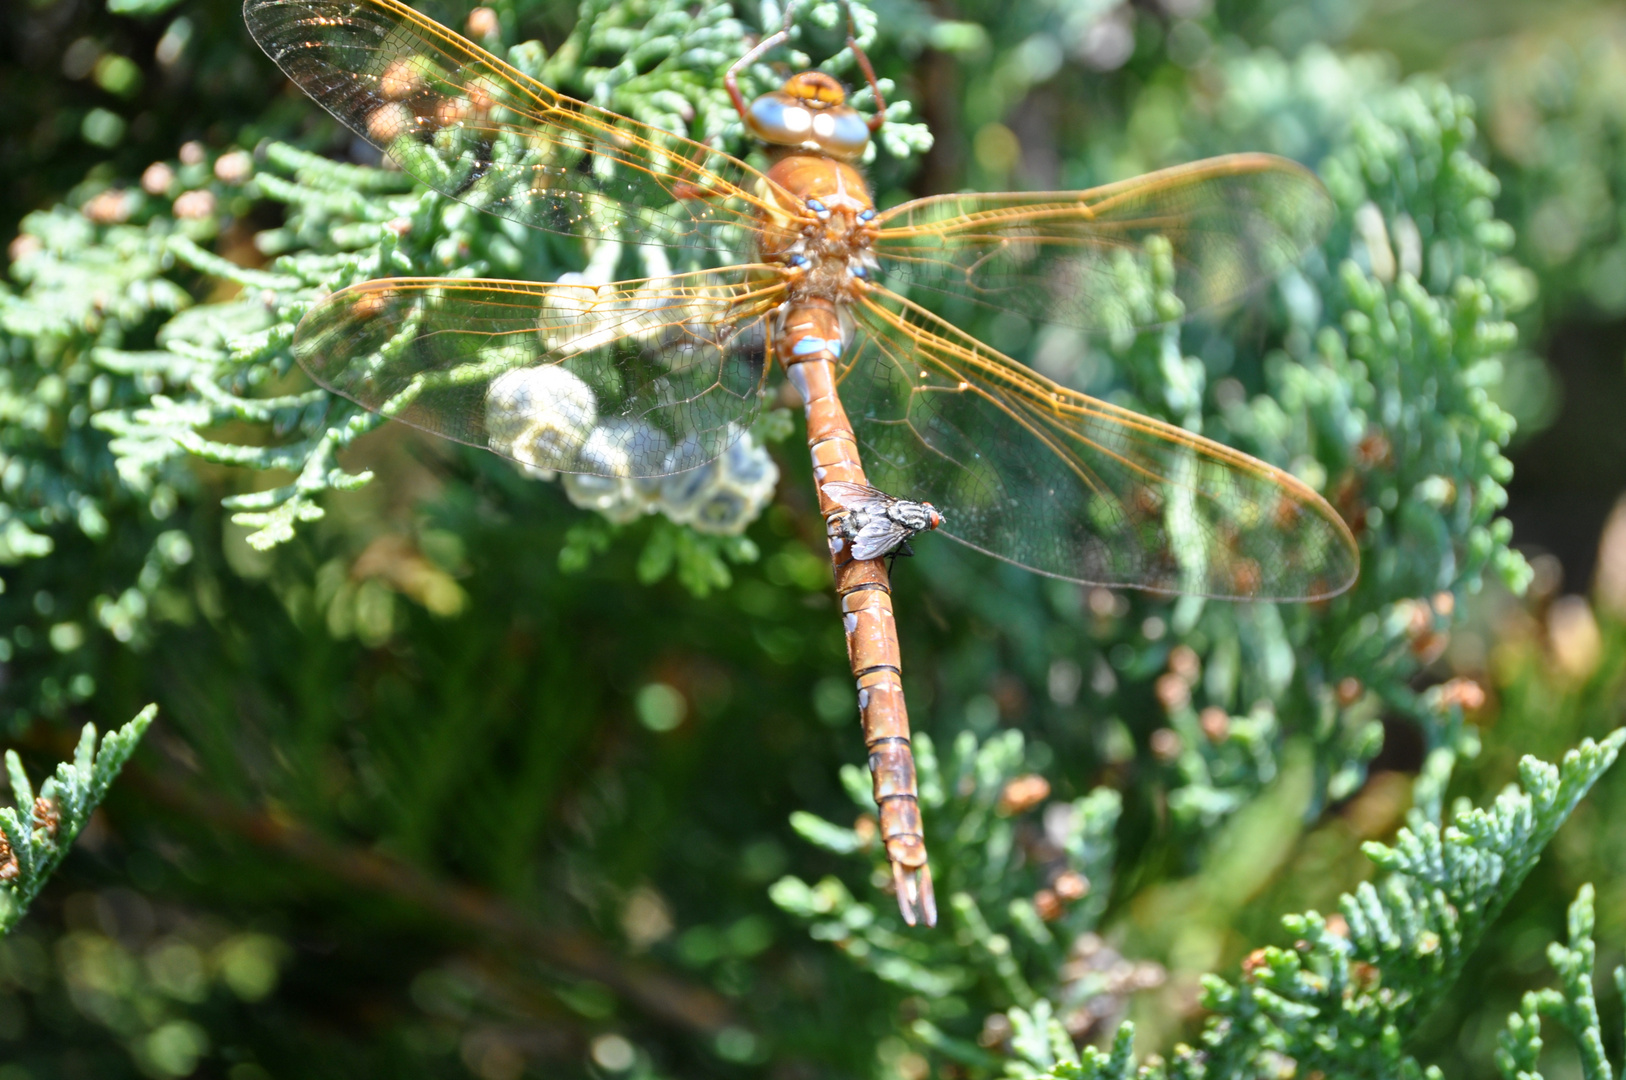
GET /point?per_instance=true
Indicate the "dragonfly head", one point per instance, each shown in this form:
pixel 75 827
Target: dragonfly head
pixel 810 112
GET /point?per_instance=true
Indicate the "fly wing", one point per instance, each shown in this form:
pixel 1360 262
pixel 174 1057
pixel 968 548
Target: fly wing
pixel 879 536
pixel 1071 486
pixel 641 378
pixel 856 496
pixel 480 131
pixel 1075 257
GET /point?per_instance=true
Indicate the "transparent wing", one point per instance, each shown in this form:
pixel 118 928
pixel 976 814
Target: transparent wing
pixel 1069 486
pixel 855 496
pixel 878 538
pixel 1078 257
pixel 477 130
pixel 641 378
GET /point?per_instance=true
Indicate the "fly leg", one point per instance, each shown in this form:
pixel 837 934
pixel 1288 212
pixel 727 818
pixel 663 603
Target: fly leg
pixel 902 549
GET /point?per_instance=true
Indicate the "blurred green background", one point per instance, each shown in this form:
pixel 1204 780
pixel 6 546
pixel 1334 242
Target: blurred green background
pixel 461 780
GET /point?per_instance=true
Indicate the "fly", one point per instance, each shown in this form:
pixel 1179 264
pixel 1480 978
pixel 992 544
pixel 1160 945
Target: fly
pixel 876 523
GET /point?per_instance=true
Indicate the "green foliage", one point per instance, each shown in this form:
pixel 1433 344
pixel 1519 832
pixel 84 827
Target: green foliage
pixel 1342 1001
pixel 992 867
pixel 435 727
pixel 1368 375
pixel 37 838
pixel 1554 117
pixel 1575 1005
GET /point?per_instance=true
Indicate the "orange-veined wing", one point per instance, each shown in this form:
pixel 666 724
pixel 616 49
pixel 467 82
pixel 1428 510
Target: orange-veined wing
pixel 477 130
pixel 1071 257
pixel 1064 484
pixel 635 379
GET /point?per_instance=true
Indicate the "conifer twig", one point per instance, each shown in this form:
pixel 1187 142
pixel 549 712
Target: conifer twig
pixel 37 832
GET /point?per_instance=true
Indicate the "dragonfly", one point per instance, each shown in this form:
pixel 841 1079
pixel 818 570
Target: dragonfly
pixel 791 266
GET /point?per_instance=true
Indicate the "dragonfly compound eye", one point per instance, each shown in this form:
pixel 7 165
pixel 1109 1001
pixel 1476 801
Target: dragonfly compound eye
pixel 540 416
pixel 808 123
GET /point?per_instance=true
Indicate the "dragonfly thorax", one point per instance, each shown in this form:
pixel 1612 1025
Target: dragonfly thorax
pixel 826 248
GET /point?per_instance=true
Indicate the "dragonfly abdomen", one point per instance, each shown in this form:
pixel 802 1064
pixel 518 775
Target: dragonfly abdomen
pixel 808 342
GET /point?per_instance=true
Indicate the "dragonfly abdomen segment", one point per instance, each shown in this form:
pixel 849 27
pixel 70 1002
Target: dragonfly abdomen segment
pixel 865 593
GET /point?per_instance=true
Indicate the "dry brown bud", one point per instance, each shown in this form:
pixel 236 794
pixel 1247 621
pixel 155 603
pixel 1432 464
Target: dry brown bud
pixel 235 167
pixel 1023 794
pixel 867 829
pixel 1573 636
pixel 46 815
pixel 24 246
pixel 156 178
pixel 1048 905
pixel 1070 885
pixel 389 122
pixel 1166 744
pixel 1349 690
pixel 450 111
pixel 1609 581
pixel 1337 924
pixel 1445 602
pixel 482 23
pixel 110 207
pixel 1254 963
pixel 1430 647
pixel 195 205
pixel 1173 692
pixel 399 80
pixel 191 153
pixel 1246 576
pixel 1419 621
pixel 1183 662
pixel 1374 450
pixel 996 1031
pixel 1464 693
pixel 1215 722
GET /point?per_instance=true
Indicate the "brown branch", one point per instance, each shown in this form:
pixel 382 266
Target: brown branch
pixel 660 995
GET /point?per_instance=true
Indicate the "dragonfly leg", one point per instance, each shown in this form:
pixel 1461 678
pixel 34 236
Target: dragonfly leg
pixel 731 76
pixel 683 189
pixel 868 69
